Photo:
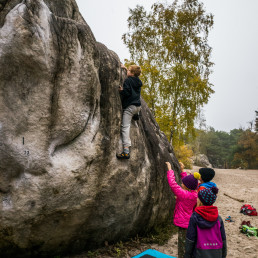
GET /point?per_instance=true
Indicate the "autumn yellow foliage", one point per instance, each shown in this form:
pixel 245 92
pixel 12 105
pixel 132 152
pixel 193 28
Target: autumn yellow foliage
pixel 184 155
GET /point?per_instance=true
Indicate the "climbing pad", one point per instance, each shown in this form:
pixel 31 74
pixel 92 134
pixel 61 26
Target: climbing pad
pixel 150 253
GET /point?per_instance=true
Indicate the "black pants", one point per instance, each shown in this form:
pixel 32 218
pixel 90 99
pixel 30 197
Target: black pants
pixel 181 242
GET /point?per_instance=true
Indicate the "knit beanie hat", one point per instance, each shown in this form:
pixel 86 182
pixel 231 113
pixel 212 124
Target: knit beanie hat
pixel 208 195
pixel 191 181
pixel 206 174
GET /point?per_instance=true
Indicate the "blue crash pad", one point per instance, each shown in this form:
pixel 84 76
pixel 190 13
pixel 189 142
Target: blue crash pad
pixel 150 253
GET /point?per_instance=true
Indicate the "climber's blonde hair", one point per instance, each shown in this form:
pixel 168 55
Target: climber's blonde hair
pixel 135 70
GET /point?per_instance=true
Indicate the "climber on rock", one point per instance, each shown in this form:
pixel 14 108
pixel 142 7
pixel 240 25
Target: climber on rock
pixel 131 103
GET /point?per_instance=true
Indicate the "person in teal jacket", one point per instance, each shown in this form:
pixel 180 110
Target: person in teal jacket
pixel 207 174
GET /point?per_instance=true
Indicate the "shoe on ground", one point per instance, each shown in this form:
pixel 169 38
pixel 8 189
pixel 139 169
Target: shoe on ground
pixel 123 155
pixel 229 219
pixel 247 223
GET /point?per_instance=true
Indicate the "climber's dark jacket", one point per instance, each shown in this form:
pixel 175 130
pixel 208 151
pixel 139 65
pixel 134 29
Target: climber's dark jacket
pixel 131 92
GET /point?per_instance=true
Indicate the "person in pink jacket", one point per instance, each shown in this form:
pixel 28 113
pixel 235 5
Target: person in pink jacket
pixel 186 199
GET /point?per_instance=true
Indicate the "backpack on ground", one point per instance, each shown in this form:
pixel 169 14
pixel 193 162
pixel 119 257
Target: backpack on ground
pixel 249 231
pixel 248 209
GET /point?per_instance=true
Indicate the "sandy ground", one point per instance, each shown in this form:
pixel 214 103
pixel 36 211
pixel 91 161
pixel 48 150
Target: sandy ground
pixel 241 184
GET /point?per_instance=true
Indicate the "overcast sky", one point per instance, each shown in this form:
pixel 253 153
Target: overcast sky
pixel 234 39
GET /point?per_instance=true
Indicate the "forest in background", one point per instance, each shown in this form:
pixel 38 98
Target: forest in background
pixel 236 149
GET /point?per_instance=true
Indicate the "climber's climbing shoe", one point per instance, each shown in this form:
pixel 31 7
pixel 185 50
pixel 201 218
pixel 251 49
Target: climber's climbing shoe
pixel 123 155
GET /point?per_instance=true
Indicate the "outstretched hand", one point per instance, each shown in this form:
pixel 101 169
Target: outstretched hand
pixel 168 165
pixel 122 66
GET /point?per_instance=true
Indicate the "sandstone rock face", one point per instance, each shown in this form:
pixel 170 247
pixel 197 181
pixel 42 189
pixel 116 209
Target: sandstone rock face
pixel 61 186
pixel 201 160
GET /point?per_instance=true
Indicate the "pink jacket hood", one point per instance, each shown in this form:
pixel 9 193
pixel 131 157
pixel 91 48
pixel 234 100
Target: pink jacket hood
pixel 185 202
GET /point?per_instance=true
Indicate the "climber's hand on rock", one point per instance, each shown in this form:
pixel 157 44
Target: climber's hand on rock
pixel 123 67
pixel 168 165
pixel 120 88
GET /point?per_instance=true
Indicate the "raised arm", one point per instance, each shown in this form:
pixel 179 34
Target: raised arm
pixel 126 89
pixel 176 189
pixel 183 174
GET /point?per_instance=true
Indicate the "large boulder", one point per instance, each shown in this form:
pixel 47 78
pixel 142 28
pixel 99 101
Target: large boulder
pixel 62 188
pixel 201 160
